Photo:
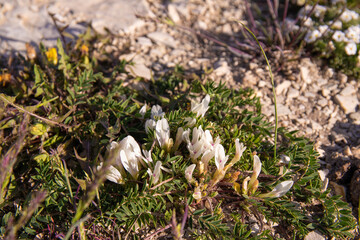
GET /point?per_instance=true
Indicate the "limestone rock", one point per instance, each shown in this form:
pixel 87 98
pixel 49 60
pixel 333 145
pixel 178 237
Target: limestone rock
pixel 347 103
pixel 162 38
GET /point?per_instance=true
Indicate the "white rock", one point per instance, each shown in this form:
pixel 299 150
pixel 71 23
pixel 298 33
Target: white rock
pixel 173 13
pixel 222 68
pixel 293 93
pixel 282 86
pixel 316 126
pixel 322 102
pixel 139 70
pixel 347 103
pixel 305 74
pixel 283 110
pixel 162 38
pixel 348 90
pixel 144 41
pixel 314 235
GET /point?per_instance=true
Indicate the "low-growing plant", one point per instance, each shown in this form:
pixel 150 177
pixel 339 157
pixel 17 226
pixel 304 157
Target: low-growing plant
pixel 183 158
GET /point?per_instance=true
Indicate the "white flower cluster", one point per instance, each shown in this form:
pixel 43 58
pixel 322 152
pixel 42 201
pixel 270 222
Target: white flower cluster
pixel 201 146
pixel 333 30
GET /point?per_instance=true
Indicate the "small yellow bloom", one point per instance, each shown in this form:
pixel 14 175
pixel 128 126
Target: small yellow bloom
pixel 84 49
pixel 5 78
pixel 51 55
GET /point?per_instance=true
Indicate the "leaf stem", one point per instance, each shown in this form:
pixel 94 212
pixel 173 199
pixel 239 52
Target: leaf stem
pixel 21 109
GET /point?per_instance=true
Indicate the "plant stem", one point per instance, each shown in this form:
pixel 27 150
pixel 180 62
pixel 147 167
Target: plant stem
pixel 272 83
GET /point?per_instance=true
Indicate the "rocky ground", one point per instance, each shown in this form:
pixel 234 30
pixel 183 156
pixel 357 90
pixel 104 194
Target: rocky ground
pixel 316 100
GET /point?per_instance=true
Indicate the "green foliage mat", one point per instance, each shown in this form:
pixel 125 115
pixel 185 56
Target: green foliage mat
pixel 57 119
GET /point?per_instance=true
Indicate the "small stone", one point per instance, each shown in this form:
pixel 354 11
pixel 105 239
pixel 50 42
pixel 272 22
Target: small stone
pixel 325 92
pixel 322 102
pixel 173 13
pixel 309 95
pixel 347 103
pixel 342 77
pixel 162 38
pixel 253 66
pixel 293 93
pixel 355 117
pixel 262 84
pixel 221 68
pixel 282 87
pixel 144 41
pixel 283 110
pixel 347 91
pixel 139 70
pixel 316 126
pixel 347 151
pixel 314 235
pixel 305 74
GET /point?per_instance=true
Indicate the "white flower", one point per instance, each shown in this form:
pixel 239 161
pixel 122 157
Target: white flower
pixel 308 22
pixel 147 156
pixel 220 158
pixel 354 15
pixel 156 174
pixel 209 147
pixel 338 36
pixel 189 172
pixel 201 108
pixel 256 171
pixel 312 36
pixel 280 190
pixel 128 156
pixel 196 145
pixel 113 174
pixel 150 124
pixel 143 110
pixel 239 148
pixel 156 111
pixel 353 33
pixel 179 137
pixel 323 29
pixel 346 16
pixel 190 122
pixel 162 132
pixel 319 10
pixel 336 24
pixel 350 48
pixel 208 140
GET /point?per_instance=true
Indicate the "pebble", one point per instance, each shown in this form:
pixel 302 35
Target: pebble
pixel 144 41
pixel 305 74
pixel 283 110
pixel 173 13
pixel 322 102
pixel 355 117
pixel 293 93
pixel 139 70
pixel 162 38
pixel 282 87
pixel 347 103
pixel 314 235
pixel 348 91
pixel 222 68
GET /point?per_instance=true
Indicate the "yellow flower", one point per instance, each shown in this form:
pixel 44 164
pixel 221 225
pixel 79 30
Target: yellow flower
pixel 5 78
pixel 84 49
pixel 51 55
